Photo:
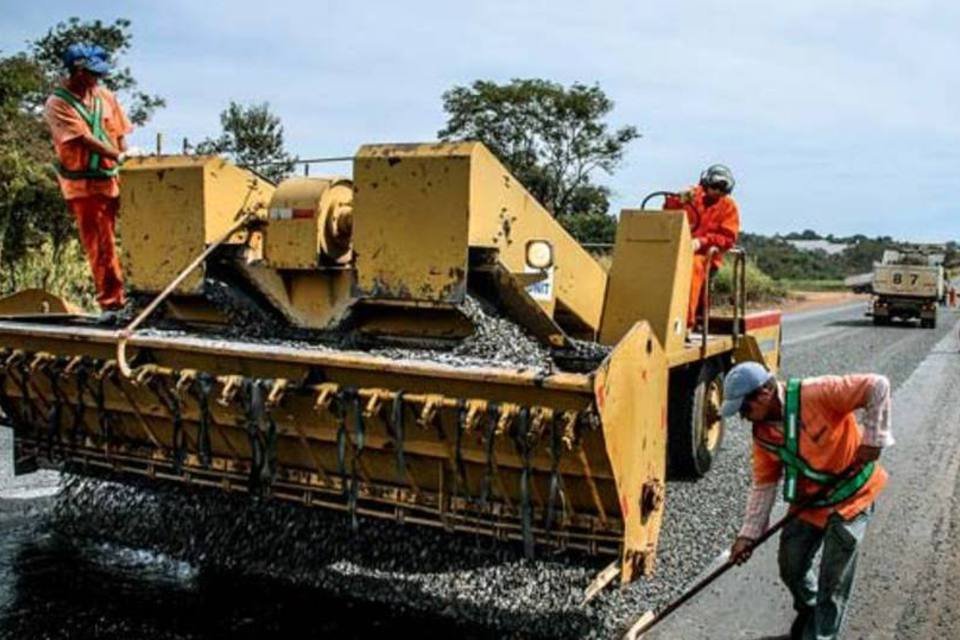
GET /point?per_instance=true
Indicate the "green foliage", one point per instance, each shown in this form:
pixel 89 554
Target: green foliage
pixel 60 269
pixel 252 137
pixel 806 234
pixel 551 138
pixel 591 227
pixel 116 39
pixel 31 209
pixel 38 244
pixel 760 286
pixel 783 261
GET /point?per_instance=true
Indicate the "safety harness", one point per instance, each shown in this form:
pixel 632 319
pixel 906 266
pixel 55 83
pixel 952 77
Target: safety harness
pixel 94 120
pixel 795 466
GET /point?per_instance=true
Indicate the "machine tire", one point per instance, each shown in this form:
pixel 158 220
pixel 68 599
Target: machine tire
pixel 696 428
pixel 880 321
pixel 928 323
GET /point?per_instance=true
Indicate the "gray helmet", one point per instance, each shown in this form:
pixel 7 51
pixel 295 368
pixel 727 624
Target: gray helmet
pixel 719 177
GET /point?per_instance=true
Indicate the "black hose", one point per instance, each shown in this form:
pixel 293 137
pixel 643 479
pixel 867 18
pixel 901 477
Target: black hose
pixel 650 196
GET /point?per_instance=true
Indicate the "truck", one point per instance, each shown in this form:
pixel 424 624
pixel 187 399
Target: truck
pixel 908 284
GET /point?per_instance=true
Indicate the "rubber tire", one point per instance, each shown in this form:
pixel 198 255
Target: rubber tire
pixel 688 454
pixel 880 321
pixel 928 323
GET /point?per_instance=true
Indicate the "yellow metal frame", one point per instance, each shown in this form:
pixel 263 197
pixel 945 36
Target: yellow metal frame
pixel 650 277
pixel 631 395
pixel 411 221
pixel 172 207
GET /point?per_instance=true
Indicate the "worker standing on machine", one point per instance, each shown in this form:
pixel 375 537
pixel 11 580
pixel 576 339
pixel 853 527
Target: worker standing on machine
pixel 806 432
pixel 714 224
pixel 89 127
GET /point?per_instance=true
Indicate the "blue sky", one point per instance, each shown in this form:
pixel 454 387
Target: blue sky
pixel 841 116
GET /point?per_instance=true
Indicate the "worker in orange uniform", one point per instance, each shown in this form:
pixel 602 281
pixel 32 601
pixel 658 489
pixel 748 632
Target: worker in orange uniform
pixel 714 224
pixel 89 129
pixel 805 432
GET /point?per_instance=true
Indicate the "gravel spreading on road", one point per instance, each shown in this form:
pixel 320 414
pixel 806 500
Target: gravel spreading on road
pixel 464 577
pixel 467 578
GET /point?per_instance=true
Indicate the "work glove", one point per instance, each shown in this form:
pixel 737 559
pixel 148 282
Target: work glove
pixel 130 152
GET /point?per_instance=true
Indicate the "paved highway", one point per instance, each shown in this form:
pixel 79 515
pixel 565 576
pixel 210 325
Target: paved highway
pixel 907 585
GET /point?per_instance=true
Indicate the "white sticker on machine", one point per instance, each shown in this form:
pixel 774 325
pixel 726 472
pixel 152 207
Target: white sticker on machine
pixel 542 290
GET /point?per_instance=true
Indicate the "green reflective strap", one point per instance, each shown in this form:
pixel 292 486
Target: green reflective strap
pixel 791 439
pixel 78 106
pixel 793 461
pixel 98 133
pixel 94 120
pixel 848 488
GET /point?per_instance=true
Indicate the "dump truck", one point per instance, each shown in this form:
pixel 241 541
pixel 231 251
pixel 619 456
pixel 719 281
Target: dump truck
pixel 907 284
pixel 326 340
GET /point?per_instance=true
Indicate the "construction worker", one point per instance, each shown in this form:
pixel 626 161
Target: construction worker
pixel 89 129
pixel 714 224
pixel 805 431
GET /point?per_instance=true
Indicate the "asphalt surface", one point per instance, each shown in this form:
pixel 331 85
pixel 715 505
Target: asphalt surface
pixel 702 518
pixel 907 583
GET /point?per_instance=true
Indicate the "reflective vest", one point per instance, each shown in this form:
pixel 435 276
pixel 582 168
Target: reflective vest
pixel 94 170
pixel 794 465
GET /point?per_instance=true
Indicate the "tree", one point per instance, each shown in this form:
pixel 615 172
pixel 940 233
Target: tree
pixel 116 39
pixel 253 137
pixel 38 245
pixel 551 138
pixel 31 210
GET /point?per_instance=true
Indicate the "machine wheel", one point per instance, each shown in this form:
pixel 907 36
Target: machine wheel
pixel 880 321
pixel 928 323
pixel 696 428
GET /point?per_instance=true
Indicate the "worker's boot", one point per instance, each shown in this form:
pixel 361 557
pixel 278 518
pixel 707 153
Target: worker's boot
pixel 804 616
pixel 109 318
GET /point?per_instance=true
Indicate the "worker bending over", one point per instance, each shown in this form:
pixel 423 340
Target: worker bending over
pixel 714 224
pixel 88 128
pixel 805 432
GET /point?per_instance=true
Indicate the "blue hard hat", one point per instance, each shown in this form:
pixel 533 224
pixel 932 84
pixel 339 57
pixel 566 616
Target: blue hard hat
pixel 743 379
pixel 91 57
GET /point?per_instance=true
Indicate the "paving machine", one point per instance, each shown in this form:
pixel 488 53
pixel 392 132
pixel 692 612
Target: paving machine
pixel 305 341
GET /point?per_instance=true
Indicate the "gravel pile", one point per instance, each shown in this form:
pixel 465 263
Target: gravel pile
pixel 496 342
pixel 419 569
pixel 474 580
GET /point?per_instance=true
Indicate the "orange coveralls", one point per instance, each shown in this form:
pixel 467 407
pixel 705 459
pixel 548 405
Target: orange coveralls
pixel 94 202
pixel 715 224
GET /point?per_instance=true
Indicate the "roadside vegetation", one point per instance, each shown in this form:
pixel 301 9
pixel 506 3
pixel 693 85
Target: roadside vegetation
pixel 38 240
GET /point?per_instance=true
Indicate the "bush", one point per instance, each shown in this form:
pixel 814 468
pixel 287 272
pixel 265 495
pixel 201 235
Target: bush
pixel 760 286
pixel 64 273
